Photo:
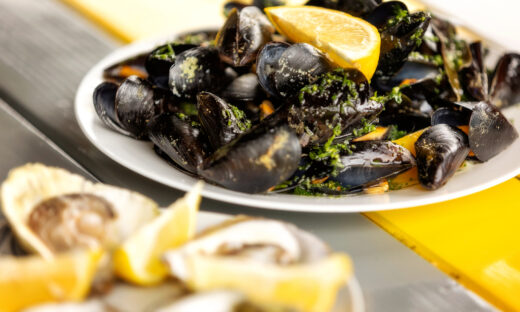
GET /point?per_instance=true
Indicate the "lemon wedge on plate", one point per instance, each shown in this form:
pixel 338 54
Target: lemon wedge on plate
pixel 137 260
pixel 309 287
pixel 26 281
pixel 347 40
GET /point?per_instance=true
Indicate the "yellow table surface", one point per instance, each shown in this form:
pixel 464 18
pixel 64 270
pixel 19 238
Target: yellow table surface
pixel 475 239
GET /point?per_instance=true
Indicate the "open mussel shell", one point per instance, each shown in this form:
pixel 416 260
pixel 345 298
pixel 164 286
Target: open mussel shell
pixel 336 99
pixel 440 151
pixel 407 115
pixel 381 15
pixel 474 78
pixel 412 73
pixel 371 161
pixel 451 116
pixel 222 121
pixel 104 99
pixel 489 131
pixel 505 87
pixel 134 66
pixel 36 199
pixel 353 7
pixel 180 139
pixel 161 59
pixel 261 158
pixel 195 70
pixel 267 65
pixel 243 35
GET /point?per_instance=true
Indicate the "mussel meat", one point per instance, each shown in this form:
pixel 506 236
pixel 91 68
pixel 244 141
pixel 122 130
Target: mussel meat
pixel 440 151
pixel 134 66
pixel 243 35
pixel 261 158
pixel 196 70
pixel 222 121
pixel 489 131
pixel 126 108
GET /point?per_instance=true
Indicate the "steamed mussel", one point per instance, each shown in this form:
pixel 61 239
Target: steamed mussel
pixel 248 109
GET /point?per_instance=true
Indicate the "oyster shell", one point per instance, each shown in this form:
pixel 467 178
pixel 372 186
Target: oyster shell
pixel 28 189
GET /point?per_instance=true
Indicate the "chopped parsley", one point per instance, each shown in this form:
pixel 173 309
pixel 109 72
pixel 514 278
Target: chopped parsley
pixel 394 133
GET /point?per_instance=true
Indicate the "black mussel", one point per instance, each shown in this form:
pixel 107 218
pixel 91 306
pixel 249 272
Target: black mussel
pixel 371 161
pixel 245 88
pixel 505 88
pixel 254 162
pixel 406 114
pixel 134 66
pixel 489 131
pixel 440 151
pixel 336 102
pixel 386 13
pixel 243 35
pixel 104 104
pixel 451 116
pixel 267 65
pixel 455 54
pixel 283 70
pixel 127 108
pixel 352 7
pixel 161 59
pixel 299 65
pixel 197 70
pixel 474 78
pixel 222 121
pixel 180 138
pixel 401 33
pixel 412 73
pixel 261 4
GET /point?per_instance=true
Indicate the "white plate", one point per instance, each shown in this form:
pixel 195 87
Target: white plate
pixel 140 157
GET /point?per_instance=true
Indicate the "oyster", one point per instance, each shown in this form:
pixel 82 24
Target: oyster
pixel 51 210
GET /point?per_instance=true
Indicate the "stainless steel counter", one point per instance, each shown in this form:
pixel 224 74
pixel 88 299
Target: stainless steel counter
pixel 46 48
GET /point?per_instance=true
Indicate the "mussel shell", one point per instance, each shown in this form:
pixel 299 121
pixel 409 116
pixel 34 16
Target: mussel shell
pixel 245 88
pixel 198 38
pixel 105 105
pixel 381 15
pixel 489 131
pixel 161 59
pixel 372 161
pixel 197 70
pixel 299 65
pixel 267 65
pixel 411 73
pixel 135 105
pixel 257 160
pixel 440 151
pixel 183 143
pixel 134 66
pixel 408 115
pixel 222 121
pixel 338 98
pixel 505 87
pixel 243 35
pixel 353 7
pixel 451 116
pixel 399 40
pixel 474 78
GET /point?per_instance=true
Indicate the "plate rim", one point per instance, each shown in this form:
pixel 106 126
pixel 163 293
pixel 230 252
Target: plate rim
pixel 325 205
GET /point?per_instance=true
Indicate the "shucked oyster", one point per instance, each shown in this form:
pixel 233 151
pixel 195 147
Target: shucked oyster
pixel 271 262
pixel 51 210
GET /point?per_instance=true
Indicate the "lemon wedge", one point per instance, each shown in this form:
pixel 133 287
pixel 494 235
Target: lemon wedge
pixel 310 287
pixel 347 40
pixel 32 280
pixel 137 260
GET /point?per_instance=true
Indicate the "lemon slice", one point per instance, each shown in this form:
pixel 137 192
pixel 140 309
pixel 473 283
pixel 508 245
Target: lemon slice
pixel 347 40
pixel 310 287
pixel 137 260
pixel 32 280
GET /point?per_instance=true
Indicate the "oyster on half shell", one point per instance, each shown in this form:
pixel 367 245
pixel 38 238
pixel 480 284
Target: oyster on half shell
pixel 51 210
